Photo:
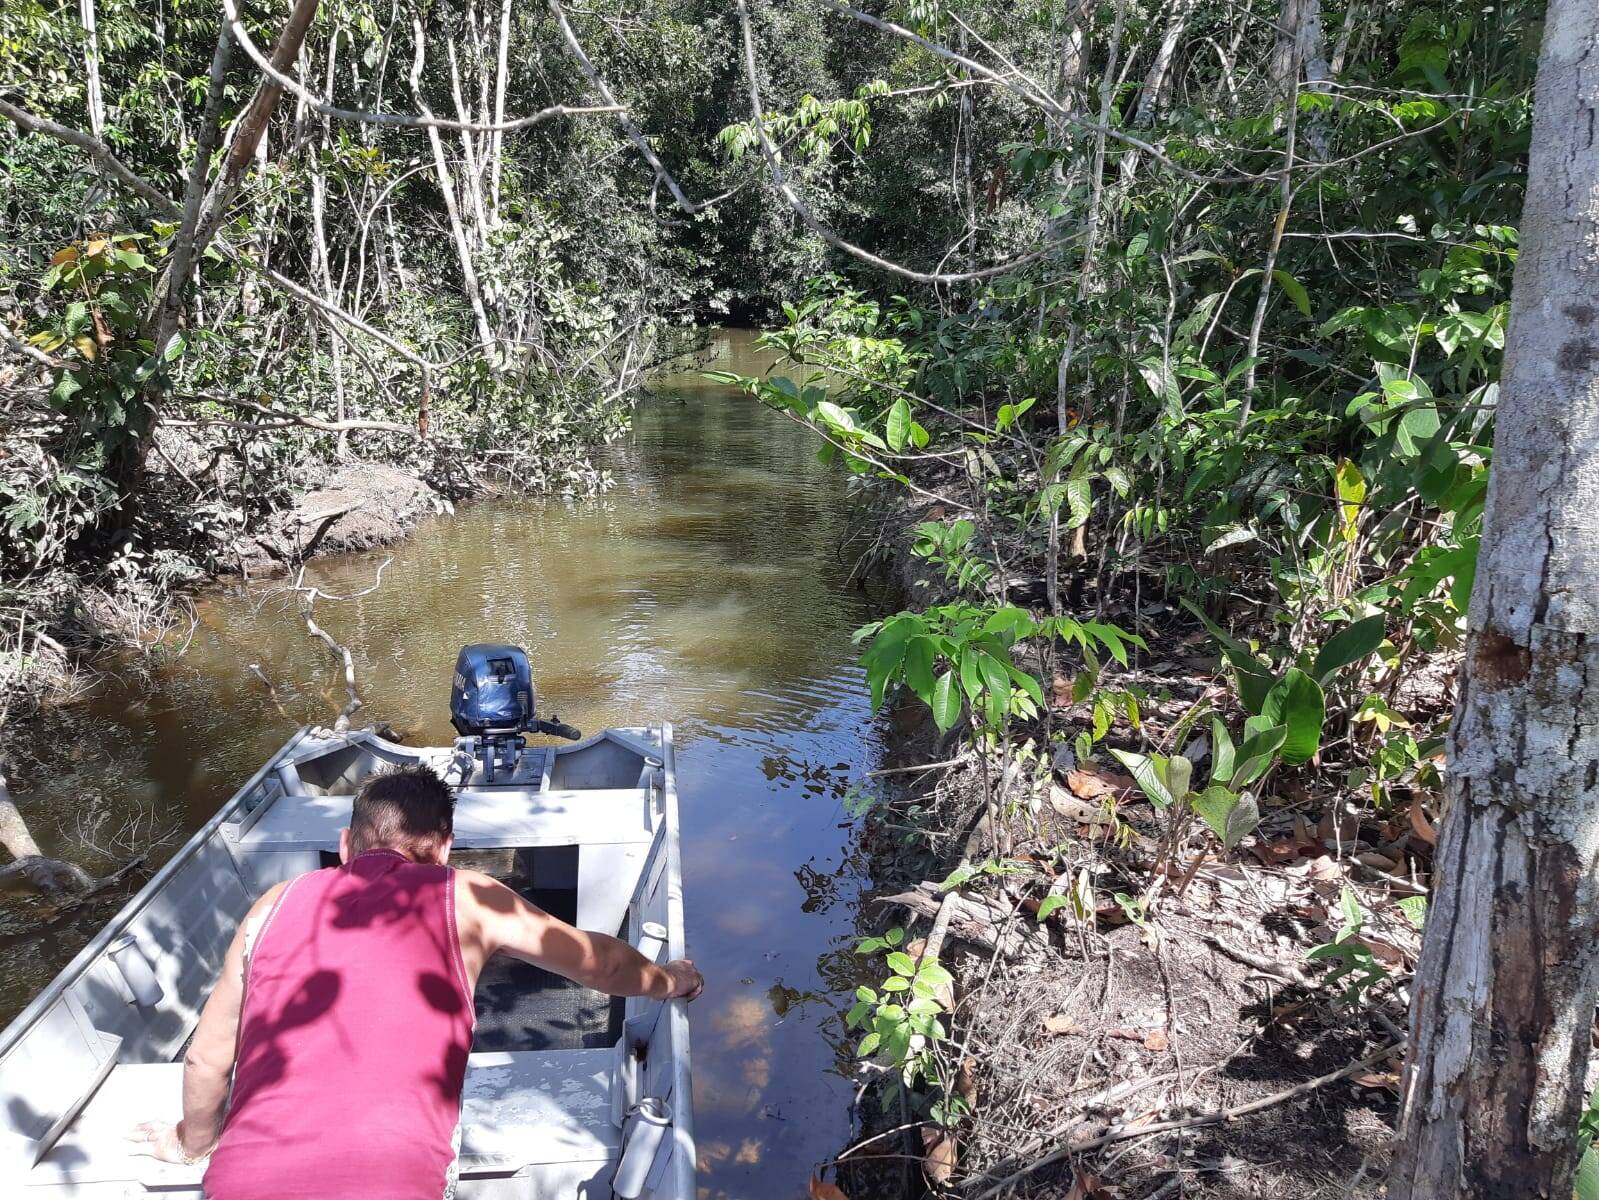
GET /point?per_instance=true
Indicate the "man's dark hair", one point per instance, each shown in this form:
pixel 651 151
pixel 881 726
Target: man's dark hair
pixel 405 808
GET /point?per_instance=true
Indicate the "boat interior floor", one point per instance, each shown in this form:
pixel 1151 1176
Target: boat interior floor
pixel 524 1007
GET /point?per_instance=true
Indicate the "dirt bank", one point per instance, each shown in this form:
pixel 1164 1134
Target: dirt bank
pixel 358 506
pixel 1159 1031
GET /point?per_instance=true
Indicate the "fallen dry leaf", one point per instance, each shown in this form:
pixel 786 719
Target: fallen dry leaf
pixel 938 1154
pixel 1090 783
pixel 1156 1040
pixel 966 1082
pixel 1377 862
pixel 1326 867
pixel 1343 830
pixel 1275 854
pixel 826 1191
pixel 1384 952
pixel 1060 692
pixel 1420 825
pixel 1063 1025
pixel 1074 809
pixel 1377 1079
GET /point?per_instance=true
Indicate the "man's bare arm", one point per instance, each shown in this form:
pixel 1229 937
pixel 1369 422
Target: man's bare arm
pixel 208 1063
pixel 507 924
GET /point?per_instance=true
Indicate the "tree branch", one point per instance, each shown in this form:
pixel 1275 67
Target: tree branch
pixel 276 72
pixel 96 149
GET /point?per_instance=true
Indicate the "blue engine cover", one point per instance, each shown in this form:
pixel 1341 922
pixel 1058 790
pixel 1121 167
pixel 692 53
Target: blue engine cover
pixel 492 691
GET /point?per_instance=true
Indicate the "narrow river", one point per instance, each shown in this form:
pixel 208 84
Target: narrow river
pixel 705 589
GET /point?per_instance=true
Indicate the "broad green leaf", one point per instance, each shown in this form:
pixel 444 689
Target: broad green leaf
pixel 1585 1183
pixel 1048 905
pixel 1149 773
pixel 1214 805
pixel 918 666
pixel 1221 752
pixel 971 675
pixel 1079 499
pixel 1415 910
pixel 1179 775
pixel 1298 705
pixel 1294 290
pixel 1348 645
pixel 946 704
pixel 899 424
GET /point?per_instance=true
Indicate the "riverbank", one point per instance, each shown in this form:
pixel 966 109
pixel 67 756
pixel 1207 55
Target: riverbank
pixel 1135 1012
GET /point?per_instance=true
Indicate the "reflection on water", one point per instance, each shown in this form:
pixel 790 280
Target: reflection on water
pixel 705 590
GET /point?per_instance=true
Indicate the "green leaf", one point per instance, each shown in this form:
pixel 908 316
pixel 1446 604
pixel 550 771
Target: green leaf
pixel 1214 805
pixel 868 1045
pixel 1221 752
pixel 1294 290
pixel 995 678
pixel 1149 772
pixel 1585 1184
pixel 1348 645
pixel 901 963
pixel 1415 910
pixel 1254 757
pixel 918 666
pixel 1079 499
pixel 1179 775
pixel 899 424
pixel 946 703
pixel 1297 703
pixel 1048 905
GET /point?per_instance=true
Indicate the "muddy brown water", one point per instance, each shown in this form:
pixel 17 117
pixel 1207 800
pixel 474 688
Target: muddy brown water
pixel 706 588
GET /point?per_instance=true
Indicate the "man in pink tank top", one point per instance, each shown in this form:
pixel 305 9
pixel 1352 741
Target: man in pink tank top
pixel 328 1061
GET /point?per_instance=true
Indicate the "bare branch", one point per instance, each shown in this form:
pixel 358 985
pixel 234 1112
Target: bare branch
pixel 96 149
pixel 802 210
pixel 283 420
pixel 285 81
pixel 634 134
pixel 308 598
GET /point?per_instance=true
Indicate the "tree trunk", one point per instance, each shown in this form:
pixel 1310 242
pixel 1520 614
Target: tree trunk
pixel 496 139
pixel 451 207
pixel 201 220
pixel 91 68
pixel 1509 971
pixel 1153 96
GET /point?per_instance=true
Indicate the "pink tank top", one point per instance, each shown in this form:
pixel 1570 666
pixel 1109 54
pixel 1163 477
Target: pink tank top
pixel 353 1039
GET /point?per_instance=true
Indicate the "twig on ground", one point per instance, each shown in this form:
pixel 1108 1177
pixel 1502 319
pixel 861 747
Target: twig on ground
pixel 1118 1133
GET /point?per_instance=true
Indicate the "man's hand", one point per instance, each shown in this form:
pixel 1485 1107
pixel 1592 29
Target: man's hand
pixel 163 1140
pixel 687 982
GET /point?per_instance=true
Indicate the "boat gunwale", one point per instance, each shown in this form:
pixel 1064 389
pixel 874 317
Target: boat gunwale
pixel 14 1032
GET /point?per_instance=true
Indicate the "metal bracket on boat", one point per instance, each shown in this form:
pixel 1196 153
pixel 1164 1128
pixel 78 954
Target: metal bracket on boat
pixel 625 1088
pixel 652 937
pixel 133 975
pixel 642 1139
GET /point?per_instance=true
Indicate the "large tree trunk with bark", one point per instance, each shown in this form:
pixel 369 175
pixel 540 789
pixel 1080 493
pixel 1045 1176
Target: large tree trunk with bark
pixel 1509 973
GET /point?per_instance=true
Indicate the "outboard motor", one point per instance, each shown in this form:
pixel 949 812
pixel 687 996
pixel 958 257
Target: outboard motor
pixel 491 704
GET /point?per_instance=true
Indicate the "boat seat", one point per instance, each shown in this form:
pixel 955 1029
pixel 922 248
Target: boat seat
pixel 520 1110
pixel 483 819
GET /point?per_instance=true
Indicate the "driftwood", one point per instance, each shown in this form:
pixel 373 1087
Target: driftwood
pixel 49 875
pixel 969 918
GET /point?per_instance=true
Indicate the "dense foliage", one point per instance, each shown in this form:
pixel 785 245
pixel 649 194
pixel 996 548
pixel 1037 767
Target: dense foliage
pixel 1245 387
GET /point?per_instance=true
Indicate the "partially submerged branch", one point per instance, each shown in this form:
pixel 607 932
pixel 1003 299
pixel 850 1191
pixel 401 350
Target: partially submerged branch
pixel 308 596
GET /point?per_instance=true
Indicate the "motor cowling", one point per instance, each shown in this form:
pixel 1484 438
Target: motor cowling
pixel 492 693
